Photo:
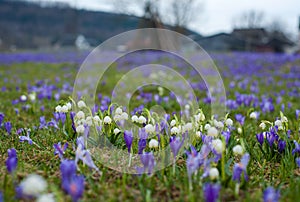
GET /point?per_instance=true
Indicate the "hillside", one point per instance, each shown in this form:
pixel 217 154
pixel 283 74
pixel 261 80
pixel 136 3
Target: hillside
pixel 27 25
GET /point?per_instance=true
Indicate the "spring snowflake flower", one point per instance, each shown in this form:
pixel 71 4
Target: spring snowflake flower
pixel 150 128
pixel 32 96
pixel 213 132
pixel 253 115
pixel 142 120
pixel 119 111
pixel 239 130
pixel 97 120
pixel 173 123
pixel 207 126
pixel 23 98
pixel 33 185
pixel 64 109
pixel 187 127
pixel 116 131
pixel 80 129
pixel 107 120
pixel 262 125
pixel 134 119
pixel 218 145
pixel 198 134
pixel 175 131
pixel 124 116
pixel 58 108
pixel 80 115
pixel 153 143
pixel 278 123
pixel 89 121
pixel 69 106
pixel 213 173
pixel 81 104
pixel 229 122
pixel 238 150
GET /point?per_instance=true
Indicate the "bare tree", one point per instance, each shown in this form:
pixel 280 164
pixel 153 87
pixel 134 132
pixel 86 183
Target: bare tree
pixel 249 19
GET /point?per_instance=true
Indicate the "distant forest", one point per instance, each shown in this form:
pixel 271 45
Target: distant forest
pixel 28 25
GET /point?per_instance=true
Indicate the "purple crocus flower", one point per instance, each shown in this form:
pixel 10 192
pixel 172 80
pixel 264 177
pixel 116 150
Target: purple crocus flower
pixel 240 168
pixel 8 127
pixel 62 117
pixel 128 137
pixel 270 138
pixel 271 195
pixel 260 138
pixel 59 150
pixel 72 115
pixel 142 141
pixel 297 148
pixel 193 161
pixel 226 135
pixel 43 123
pixel 85 156
pixel 12 160
pixel 240 118
pixel 211 192
pixel 175 145
pixel 148 162
pixel 1 118
pixel 298 161
pixel 281 145
pixel 26 138
pixel 297 114
pixel 72 184
pixel 1 197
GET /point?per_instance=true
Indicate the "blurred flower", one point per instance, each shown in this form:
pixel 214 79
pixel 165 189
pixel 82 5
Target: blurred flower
pixel 253 115
pixel 271 195
pixel 175 145
pixel 8 127
pixel 240 168
pixel 153 143
pixel 211 192
pixel 298 161
pixel 128 137
pixel 218 146
pixel 262 125
pixel 43 123
pixel 148 162
pixel 193 161
pixel 1 118
pixel 238 150
pixel 26 138
pixel 229 122
pixel 213 173
pixel 212 131
pixel 260 138
pixel 12 160
pixel 107 120
pixel 240 118
pixel 281 145
pixel 81 104
pixel 46 198
pixel 297 148
pixel 59 150
pixel 85 156
pixel 142 143
pixel 32 186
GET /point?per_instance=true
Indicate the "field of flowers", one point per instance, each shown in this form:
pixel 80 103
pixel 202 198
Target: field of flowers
pixel 251 154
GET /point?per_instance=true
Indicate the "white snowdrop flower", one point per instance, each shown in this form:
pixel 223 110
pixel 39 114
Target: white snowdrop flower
pixel 80 129
pixel 33 185
pixel 229 122
pixel 212 131
pixel 107 120
pixel 134 119
pixel 80 115
pixel 278 123
pixel 174 131
pixel 124 116
pixel 284 119
pixel 69 105
pixel 238 150
pixel 46 198
pixel 218 145
pixel 253 115
pixel 32 96
pixel 150 128
pixel 117 117
pixel 142 120
pixel 153 143
pixel 187 127
pixel 81 104
pixel 119 111
pixel 213 173
pixel 89 120
pixel 198 134
pixel 187 107
pixel 64 109
pixel 23 98
pixel 219 124
pixel 262 125
pixel 239 130
pixel 207 126
pixel 173 123
pixel 97 120
pixel 58 108
pixel 116 131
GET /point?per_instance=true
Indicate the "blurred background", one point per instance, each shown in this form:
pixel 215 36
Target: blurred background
pixel 217 25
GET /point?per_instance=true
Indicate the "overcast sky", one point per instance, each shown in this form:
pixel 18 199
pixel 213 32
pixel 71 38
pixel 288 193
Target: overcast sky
pixel 218 15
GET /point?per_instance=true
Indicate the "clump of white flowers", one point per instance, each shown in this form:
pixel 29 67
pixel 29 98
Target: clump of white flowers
pixel 33 185
pixel 64 108
pixel 120 115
